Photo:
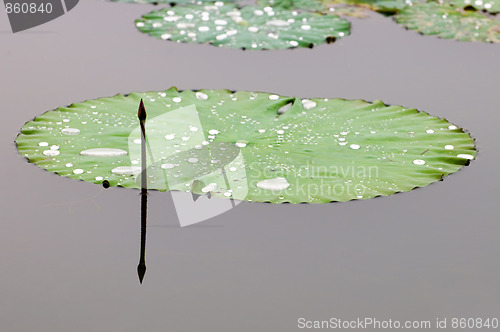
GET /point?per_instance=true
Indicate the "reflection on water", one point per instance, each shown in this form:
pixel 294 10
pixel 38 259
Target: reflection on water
pixel 141 268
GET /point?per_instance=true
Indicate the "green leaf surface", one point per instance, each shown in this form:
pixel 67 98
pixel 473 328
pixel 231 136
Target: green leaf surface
pixel 391 6
pixel 249 146
pixel 388 7
pixel 309 5
pixel 342 9
pixel 491 6
pixel 448 22
pixel 247 27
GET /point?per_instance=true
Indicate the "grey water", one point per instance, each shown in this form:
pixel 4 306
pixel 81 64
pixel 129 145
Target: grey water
pixel 69 250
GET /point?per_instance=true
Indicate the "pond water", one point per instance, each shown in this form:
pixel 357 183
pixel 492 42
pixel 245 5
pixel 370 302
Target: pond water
pixel 69 250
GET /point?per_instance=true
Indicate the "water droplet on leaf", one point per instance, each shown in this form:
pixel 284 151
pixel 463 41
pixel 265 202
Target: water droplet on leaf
pixel 273 184
pixel 104 152
pixel 70 131
pixel 126 170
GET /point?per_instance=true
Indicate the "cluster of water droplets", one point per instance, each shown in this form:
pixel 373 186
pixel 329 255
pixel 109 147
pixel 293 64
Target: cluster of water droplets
pixel 247 27
pixel 448 20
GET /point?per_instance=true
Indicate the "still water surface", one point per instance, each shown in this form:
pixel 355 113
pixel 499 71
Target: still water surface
pixel 69 250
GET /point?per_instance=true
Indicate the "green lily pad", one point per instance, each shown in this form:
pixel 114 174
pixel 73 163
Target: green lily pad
pixel 448 22
pixel 491 6
pixel 391 6
pixel 387 7
pixel 247 27
pixel 249 146
pixel 309 5
pixel 341 9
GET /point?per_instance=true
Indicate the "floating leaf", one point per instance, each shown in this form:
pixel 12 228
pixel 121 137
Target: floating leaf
pixel 249 146
pixel 391 6
pixel 334 8
pixel 448 22
pixel 247 27
pixel 388 7
pixel 310 5
pixel 492 6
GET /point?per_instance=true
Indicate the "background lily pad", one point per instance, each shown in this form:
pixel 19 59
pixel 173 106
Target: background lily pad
pixel 448 22
pixel 382 6
pixel 248 27
pixel 310 5
pixel 343 9
pixel 281 149
pixel 492 6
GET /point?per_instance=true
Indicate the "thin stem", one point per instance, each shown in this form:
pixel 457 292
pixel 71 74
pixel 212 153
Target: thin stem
pixel 141 268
